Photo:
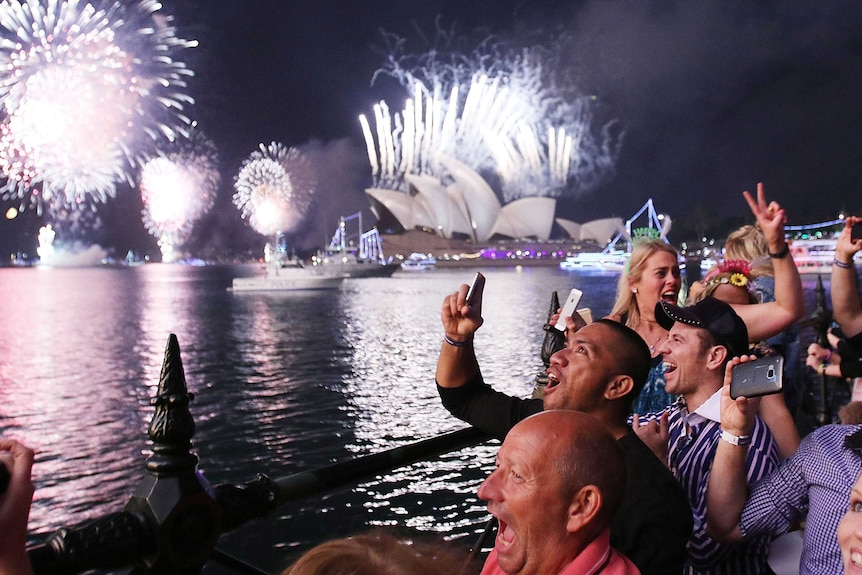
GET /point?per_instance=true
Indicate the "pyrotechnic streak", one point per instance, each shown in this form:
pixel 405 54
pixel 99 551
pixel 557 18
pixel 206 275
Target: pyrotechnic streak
pixel 274 188
pixel 85 89
pixel 178 187
pixel 510 116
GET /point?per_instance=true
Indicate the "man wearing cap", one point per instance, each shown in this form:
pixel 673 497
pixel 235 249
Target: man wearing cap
pixel 702 338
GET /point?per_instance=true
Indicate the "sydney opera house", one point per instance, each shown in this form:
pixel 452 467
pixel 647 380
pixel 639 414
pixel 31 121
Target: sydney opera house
pixel 467 211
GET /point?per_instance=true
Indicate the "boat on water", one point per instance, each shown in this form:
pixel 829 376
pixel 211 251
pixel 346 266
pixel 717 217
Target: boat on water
pixel 287 275
pixel 343 258
pixel 814 255
pixel 613 258
pixel 419 262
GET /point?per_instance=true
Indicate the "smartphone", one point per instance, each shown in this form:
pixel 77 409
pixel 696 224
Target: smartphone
pixel 569 309
pixel 856 231
pixel 759 377
pixel 5 476
pixel 476 287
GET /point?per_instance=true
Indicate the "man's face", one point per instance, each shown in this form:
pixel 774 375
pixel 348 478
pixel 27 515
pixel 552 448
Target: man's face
pixel 579 373
pixel 526 494
pixel 685 356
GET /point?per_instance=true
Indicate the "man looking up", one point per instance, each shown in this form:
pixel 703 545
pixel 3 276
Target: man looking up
pixel 600 371
pixel 702 338
pixel 559 479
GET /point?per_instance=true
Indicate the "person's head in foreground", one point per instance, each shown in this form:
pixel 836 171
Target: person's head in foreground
pixel 379 552
pixel 850 531
pixel 558 480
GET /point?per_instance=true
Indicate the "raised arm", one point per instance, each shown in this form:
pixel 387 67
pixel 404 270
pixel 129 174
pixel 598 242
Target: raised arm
pixel 15 508
pixel 457 363
pixel 765 320
pixel 846 308
pixel 727 490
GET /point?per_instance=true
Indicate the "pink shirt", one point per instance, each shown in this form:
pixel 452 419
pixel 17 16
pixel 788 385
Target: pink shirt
pixel 597 558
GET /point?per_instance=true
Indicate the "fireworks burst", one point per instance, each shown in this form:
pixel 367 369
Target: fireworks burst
pixel 507 114
pixel 84 87
pixel 177 188
pixel 274 188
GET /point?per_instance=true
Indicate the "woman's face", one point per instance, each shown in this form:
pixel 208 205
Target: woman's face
pixel 660 280
pixel 850 532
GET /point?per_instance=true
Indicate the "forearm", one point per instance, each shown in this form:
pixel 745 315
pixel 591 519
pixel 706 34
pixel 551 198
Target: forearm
pixel 788 284
pixel 727 492
pixel 456 365
pixel 846 307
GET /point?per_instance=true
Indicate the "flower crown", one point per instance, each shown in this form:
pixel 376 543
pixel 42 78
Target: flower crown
pixel 645 234
pixel 739 270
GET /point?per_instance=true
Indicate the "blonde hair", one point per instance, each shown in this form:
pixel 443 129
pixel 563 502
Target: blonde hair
pixel 748 243
pixel 379 553
pixel 626 302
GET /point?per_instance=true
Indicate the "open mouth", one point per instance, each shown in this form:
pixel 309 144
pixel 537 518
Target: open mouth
pixel 669 367
pixel 856 558
pixel 552 381
pixel 669 296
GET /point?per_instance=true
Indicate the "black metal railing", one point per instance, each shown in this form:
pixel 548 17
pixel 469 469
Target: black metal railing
pixel 171 525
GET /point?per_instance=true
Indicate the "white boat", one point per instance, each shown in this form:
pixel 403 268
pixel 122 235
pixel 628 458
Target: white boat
pixel 419 262
pixel 288 275
pixel 814 255
pixel 612 258
pixel 342 259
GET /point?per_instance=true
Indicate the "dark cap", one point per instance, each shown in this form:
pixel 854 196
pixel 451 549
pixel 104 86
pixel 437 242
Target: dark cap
pixel 713 315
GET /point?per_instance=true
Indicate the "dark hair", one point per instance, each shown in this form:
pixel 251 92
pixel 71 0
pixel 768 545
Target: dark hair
pixel 594 457
pixel 632 356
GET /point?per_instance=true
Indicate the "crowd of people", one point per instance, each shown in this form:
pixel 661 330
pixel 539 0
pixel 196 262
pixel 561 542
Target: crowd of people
pixel 636 459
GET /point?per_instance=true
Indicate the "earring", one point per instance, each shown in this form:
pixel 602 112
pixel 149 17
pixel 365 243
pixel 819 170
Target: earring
pixel 634 290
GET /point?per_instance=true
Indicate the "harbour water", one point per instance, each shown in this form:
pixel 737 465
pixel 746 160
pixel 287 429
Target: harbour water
pixel 283 382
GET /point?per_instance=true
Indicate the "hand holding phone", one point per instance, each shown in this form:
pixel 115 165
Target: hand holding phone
pixel 856 231
pixel 569 309
pixel 762 376
pixel 477 286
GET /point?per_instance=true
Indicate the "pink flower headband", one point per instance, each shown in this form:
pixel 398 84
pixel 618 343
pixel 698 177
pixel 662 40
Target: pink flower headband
pixel 739 270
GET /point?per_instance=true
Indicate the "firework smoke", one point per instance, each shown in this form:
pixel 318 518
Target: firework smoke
pixel 505 113
pixel 274 188
pixel 85 88
pixel 177 188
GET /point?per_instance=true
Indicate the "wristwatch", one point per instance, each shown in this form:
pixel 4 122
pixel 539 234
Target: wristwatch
pixel 735 439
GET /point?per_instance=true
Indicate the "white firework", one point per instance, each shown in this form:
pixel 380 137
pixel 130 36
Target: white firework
pixel 503 113
pixel 178 187
pixel 85 89
pixel 274 188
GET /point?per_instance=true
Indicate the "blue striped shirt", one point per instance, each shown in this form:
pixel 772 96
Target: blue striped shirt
pixel 692 441
pixel 816 481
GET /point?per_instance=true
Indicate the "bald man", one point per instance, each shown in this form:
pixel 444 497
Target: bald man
pixel 559 479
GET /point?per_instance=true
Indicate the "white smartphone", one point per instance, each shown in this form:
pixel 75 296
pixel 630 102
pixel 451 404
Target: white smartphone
pixel 569 308
pixel 476 286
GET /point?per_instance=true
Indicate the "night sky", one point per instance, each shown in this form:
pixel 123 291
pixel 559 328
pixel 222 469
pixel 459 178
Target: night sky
pixel 713 96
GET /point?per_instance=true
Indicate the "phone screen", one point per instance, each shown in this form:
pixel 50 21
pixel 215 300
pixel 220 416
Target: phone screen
pixel 856 232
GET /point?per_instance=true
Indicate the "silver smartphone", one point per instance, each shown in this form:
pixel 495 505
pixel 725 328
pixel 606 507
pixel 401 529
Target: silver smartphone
pixel 569 308
pixel 759 377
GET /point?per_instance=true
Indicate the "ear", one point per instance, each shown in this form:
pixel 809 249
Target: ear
pixel 621 386
pixel 584 508
pixel 717 356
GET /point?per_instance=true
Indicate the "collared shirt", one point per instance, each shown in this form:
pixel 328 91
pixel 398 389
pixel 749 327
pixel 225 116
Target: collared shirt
pixel 692 441
pixel 816 480
pixel 598 558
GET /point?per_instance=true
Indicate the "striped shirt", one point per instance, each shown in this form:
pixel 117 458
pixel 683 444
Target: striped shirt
pixel 692 441
pixel 816 481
